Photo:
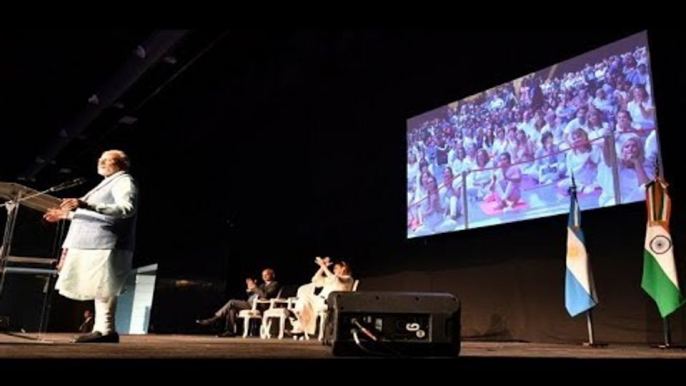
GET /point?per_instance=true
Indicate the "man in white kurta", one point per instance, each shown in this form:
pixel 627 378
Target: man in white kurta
pixel 98 250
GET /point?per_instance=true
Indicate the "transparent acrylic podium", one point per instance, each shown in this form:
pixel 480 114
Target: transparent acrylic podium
pixel 40 268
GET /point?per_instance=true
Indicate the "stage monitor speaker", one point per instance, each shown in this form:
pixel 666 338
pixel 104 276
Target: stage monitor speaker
pixel 403 324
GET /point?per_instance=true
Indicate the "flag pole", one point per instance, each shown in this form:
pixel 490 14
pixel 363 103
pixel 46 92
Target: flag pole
pixel 666 332
pixel 589 313
pixel 589 324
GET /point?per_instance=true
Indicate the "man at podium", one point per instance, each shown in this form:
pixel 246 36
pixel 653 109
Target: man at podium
pixel 98 249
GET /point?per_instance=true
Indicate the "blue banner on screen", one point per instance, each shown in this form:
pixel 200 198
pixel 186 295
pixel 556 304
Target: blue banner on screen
pixel 509 153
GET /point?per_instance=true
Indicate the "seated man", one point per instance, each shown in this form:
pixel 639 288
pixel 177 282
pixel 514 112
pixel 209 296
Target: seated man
pixel 88 322
pixel 267 290
pixel 308 303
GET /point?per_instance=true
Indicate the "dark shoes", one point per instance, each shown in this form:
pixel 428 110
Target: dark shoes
pixel 97 337
pixel 295 335
pixel 227 334
pixel 207 322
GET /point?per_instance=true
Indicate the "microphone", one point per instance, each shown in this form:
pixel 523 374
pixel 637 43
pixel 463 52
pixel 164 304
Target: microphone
pixel 68 184
pixel 9 205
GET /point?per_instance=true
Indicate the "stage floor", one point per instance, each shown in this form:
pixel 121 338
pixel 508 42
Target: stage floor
pixel 57 346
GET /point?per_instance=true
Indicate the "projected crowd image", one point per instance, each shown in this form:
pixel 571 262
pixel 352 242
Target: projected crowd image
pixel 509 153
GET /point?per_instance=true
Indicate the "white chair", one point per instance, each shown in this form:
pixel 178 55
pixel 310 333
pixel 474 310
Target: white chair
pixel 254 314
pixel 276 312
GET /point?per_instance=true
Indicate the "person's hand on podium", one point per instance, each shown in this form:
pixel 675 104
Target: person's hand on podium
pixel 56 214
pixel 72 203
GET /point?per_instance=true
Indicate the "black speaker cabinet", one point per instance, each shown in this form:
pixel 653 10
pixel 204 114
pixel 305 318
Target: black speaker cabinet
pixel 402 324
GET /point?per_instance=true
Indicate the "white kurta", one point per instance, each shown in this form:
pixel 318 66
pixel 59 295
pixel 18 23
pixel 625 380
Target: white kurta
pixel 88 274
pixel 93 273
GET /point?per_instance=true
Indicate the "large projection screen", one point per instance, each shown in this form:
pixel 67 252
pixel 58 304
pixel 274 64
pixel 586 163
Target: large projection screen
pixel 508 154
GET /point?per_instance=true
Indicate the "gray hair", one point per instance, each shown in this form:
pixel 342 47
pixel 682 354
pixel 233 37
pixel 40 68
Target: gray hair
pixel 122 159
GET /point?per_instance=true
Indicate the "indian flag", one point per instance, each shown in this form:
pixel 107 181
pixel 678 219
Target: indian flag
pixel 659 269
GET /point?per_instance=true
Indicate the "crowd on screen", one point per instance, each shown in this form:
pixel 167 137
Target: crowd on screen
pixel 593 122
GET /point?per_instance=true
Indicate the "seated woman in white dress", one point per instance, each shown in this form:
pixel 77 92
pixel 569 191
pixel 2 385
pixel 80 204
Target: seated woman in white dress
pixel 507 180
pixel 631 171
pixel 582 162
pixel 308 304
pixel 549 160
pixel 451 193
pixel 602 102
pixel 458 164
pixel 523 154
pixel 500 143
pixel 431 211
pixel 650 150
pixel 641 108
pixel 480 179
pixel 595 126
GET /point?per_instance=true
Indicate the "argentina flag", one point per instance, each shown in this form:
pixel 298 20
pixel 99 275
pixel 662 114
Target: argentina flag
pixel 580 292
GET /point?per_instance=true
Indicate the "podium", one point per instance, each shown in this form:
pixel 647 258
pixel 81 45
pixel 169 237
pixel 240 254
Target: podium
pixel 16 196
pixel 34 268
pixel 28 197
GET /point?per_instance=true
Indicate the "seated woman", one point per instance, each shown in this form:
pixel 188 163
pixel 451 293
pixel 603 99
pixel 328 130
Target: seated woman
pixel 549 161
pixel 632 172
pixel 451 194
pixel 431 212
pixel 479 179
pixel 308 304
pixel 506 183
pixel 582 163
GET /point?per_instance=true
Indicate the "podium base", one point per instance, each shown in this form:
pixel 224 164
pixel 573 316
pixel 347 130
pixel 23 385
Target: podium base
pixel 595 345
